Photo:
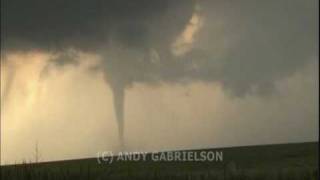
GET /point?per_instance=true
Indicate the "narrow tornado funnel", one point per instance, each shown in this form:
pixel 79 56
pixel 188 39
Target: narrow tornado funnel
pixel 118 101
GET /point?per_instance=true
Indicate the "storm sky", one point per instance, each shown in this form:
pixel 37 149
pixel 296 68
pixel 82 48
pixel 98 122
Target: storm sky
pixel 161 75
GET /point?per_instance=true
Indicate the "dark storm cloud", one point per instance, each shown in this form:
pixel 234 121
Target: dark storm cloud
pixel 263 41
pixel 266 40
pixel 87 24
pixel 111 28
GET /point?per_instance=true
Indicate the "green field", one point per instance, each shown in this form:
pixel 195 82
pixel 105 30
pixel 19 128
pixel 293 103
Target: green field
pixel 265 162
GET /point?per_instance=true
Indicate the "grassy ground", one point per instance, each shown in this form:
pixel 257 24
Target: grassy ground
pixel 283 162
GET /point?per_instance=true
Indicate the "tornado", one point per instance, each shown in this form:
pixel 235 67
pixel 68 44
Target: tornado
pixel 118 103
pixel 194 40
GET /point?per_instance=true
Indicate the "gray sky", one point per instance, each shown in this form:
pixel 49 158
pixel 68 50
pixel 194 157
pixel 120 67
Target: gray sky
pixel 194 74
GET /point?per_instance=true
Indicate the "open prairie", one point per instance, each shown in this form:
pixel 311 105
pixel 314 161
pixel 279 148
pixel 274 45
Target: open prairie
pixel 282 161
